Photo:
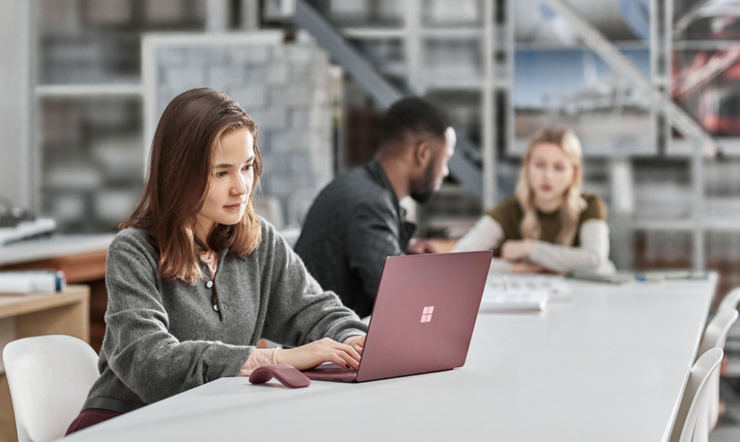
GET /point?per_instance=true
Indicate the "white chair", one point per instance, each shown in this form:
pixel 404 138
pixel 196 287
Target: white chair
pixel 715 336
pixel 691 420
pixel 49 379
pixel 716 332
pixel 730 301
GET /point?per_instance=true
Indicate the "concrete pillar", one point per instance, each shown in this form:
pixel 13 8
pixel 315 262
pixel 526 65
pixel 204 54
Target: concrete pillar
pixel 16 101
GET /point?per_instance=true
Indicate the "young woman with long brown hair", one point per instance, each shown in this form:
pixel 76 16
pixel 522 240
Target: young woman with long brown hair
pixel 550 224
pixel 195 278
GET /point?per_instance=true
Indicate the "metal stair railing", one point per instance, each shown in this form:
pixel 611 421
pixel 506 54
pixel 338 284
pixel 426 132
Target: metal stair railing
pixel 464 165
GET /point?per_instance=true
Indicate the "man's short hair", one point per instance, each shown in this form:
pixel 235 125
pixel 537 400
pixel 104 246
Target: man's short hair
pixel 412 115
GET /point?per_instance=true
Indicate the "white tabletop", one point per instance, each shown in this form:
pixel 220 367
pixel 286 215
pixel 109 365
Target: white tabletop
pixel 608 365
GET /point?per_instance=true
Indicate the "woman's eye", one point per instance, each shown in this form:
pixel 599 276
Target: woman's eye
pixel 220 174
pixel 247 167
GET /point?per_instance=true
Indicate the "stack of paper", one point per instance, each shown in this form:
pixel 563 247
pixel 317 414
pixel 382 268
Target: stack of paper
pixel 589 274
pixel 31 282
pixel 507 293
pixel 496 300
pixel 556 286
pixel 26 229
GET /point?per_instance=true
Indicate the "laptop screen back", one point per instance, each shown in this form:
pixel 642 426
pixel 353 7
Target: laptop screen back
pixel 424 314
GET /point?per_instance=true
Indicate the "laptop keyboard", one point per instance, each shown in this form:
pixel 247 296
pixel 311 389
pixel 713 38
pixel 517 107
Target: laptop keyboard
pixel 335 370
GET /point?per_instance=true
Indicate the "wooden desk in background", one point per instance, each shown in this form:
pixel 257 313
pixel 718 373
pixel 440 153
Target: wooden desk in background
pixel 80 257
pixel 65 313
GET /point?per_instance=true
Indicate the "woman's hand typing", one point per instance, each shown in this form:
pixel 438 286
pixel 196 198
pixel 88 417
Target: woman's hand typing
pixel 324 350
pixel 358 343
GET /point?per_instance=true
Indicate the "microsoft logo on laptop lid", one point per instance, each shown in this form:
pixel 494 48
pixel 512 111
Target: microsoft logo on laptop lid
pixel 448 284
pixel 426 314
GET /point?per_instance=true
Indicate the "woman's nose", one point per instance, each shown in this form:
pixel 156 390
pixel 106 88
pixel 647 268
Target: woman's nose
pixel 239 186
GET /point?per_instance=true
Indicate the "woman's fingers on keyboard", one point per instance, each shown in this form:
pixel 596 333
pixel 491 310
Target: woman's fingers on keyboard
pixel 317 352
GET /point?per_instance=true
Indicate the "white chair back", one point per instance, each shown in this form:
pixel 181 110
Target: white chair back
pixel 730 301
pixel 49 379
pixel 691 420
pixel 715 336
pixel 716 332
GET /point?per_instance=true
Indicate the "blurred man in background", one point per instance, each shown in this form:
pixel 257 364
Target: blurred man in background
pixel 356 221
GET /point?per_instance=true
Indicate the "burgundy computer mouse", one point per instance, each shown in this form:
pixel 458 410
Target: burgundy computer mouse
pixel 286 374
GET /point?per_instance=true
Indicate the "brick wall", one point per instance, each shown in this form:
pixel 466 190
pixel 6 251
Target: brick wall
pixel 284 87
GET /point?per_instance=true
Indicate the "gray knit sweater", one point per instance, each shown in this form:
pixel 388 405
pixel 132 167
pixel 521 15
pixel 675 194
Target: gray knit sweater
pixel 164 337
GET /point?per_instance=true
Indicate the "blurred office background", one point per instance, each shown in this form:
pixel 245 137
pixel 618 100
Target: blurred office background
pixel 652 88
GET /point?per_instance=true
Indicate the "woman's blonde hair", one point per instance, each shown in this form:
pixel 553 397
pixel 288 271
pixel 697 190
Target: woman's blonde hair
pixel 573 203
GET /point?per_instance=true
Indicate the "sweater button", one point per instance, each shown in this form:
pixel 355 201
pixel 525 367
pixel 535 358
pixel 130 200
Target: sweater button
pixel 209 284
pixel 215 307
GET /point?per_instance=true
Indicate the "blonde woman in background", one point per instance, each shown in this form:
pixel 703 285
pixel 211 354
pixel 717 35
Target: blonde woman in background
pixel 550 225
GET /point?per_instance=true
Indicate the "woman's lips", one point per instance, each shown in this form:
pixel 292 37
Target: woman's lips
pixel 234 207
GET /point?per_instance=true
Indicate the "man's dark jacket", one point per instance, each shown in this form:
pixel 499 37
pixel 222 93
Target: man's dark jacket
pixel 352 226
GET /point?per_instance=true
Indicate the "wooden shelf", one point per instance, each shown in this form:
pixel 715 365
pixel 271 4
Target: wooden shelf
pixel 81 258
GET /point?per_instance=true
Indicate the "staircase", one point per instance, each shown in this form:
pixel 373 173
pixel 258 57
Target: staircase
pixel 472 166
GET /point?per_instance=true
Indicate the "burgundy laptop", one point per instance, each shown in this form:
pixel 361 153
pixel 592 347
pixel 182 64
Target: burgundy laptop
pixel 423 317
